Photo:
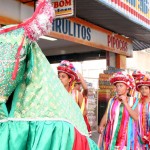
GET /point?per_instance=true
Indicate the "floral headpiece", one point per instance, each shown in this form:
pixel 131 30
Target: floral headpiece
pixel 68 68
pixel 143 80
pixel 137 74
pixel 122 77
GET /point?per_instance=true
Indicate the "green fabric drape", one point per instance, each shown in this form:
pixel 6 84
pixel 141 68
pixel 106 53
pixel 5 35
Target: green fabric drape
pixel 36 135
pixel 43 115
pixel 42 95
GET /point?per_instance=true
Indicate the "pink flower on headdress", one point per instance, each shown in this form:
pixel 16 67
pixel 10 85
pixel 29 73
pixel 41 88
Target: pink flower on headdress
pixel 68 68
pixel 67 64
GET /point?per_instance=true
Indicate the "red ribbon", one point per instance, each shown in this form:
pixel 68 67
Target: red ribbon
pixel 14 73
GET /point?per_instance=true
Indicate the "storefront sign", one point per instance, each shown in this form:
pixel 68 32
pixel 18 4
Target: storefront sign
pixel 106 90
pixel 136 10
pixel 83 32
pixel 63 8
pixel 117 43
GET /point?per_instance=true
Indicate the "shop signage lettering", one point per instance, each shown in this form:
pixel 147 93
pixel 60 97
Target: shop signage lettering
pixel 74 29
pixel 136 10
pixel 143 5
pixel 117 43
pixel 62 3
pixel 83 32
pixel 63 8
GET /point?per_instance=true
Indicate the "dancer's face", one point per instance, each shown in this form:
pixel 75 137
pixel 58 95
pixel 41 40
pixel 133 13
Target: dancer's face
pixel 121 88
pixel 145 90
pixel 64 78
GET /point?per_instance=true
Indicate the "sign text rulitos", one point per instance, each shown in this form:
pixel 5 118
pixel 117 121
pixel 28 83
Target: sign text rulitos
pixel 63 8
pixel 80 31
pixel 117 43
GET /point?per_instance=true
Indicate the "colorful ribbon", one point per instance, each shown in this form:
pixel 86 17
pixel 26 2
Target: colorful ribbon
pixel 112 147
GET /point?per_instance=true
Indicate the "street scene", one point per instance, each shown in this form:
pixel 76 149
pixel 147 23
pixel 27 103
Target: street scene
pixel 74 75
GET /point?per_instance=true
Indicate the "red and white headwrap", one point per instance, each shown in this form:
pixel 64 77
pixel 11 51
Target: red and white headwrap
pixel 68 68
pixel 137 74
pixel 123 77
pixel 143 80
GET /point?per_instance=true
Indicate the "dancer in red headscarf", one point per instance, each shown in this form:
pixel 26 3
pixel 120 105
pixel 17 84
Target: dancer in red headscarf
pixel 143 86
pixel 67 75
pixel 118 124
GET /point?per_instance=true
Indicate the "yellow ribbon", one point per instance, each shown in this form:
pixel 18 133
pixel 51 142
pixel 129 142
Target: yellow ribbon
pixel 83 105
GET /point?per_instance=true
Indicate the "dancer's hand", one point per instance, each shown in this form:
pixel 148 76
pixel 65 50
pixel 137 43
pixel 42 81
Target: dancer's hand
pixel 123 99
pixel 100 129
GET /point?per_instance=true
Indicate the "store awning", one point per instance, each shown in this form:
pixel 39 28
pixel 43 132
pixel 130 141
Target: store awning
pixel 101 15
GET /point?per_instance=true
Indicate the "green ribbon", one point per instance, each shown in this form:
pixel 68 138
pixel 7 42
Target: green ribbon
pixel 117 128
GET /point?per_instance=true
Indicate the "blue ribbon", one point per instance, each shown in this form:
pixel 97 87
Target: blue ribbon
pixel 130 141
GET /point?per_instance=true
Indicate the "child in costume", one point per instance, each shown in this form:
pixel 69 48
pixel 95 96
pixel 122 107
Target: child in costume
pixel 143 86
pixel 118 124
pixel 67 75
pixel 42 115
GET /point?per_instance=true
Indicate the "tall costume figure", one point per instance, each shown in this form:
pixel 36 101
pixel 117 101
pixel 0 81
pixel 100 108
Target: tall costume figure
pixel 42 116
pixel 117 125
pixel 143 86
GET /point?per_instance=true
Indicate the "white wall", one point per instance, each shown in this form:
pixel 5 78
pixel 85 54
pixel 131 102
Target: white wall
pixel 140 61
